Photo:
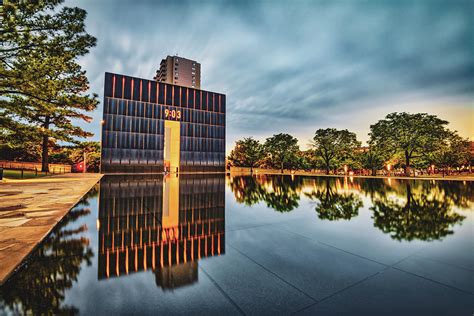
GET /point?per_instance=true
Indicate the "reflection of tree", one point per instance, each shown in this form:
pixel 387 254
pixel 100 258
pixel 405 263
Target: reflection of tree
pixel 333 205
pixel 407 210
pixel 425 214
pixel 460 193
pixel 457 193
pixel 279 192
pixel 246 189
pixel 39 286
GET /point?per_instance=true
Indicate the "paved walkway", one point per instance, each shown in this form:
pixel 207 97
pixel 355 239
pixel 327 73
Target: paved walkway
pixel 29 209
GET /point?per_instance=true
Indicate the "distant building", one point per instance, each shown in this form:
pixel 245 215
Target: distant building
pixel 179 71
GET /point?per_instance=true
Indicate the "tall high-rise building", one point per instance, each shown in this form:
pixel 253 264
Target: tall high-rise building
pixel 179 71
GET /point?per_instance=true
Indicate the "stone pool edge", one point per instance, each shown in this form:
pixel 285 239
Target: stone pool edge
pixel 63 192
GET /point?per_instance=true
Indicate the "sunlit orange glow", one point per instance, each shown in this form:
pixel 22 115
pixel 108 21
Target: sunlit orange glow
pixel 136 259
pixel 113 86
pixel 117 270
pixel 144 258
pixel 126 260
pixel 107 272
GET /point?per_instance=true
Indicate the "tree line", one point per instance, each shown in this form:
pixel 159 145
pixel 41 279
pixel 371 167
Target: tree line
pixel 400 140
pixel 43 89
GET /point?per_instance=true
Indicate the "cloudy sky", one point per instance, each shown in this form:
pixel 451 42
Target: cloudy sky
pixel 296 66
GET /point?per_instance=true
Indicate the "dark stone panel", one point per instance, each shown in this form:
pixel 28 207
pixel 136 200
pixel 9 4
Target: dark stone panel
pixel 146 86
pixel 204 101
pixel 198 100
pixel 223 105
pixel 153 92
pixel 210 101
pixel 191 98
pixel 184 97
pixel 169 92
pixel 216 102
pixel 176 98
pixel 136 89
pixel 161 93
pixel 128 88
pixel 108 84
pixel 118 86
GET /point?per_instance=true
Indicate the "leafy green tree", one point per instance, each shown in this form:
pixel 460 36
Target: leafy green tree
pixel 409 135
pixel 453 152
pixel 35 29
pixel 246 153
pixel 334 146
pixel 310 159
pixel 19 149
pixel 373 159
pixel 42 86
pixel 281 148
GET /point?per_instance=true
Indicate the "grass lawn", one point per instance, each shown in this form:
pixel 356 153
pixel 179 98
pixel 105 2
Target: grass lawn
pixel 16 174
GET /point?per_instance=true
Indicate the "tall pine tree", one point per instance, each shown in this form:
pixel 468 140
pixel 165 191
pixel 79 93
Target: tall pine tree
pixel 42 87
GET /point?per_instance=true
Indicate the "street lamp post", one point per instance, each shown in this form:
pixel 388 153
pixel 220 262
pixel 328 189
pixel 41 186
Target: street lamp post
pixel 84 170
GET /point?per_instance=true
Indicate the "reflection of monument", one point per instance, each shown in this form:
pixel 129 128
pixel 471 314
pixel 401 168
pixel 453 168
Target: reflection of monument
pixel 164 224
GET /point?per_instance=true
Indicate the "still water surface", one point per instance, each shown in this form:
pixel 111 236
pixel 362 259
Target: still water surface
pixel 252 245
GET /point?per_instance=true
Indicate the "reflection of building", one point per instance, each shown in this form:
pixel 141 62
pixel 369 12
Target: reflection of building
pixel 149 126
pixel 164 224
pixel 180 71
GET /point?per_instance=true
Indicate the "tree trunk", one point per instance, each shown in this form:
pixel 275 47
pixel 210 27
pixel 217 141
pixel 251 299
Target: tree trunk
pixel 407 163
pixel 45 156
pixel 327 169
pixel 374 172
pixel 282 167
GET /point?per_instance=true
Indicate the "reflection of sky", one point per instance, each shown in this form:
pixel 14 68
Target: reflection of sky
pixel 298 66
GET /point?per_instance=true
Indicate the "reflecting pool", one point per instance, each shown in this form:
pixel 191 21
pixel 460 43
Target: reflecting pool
pixel 210 244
